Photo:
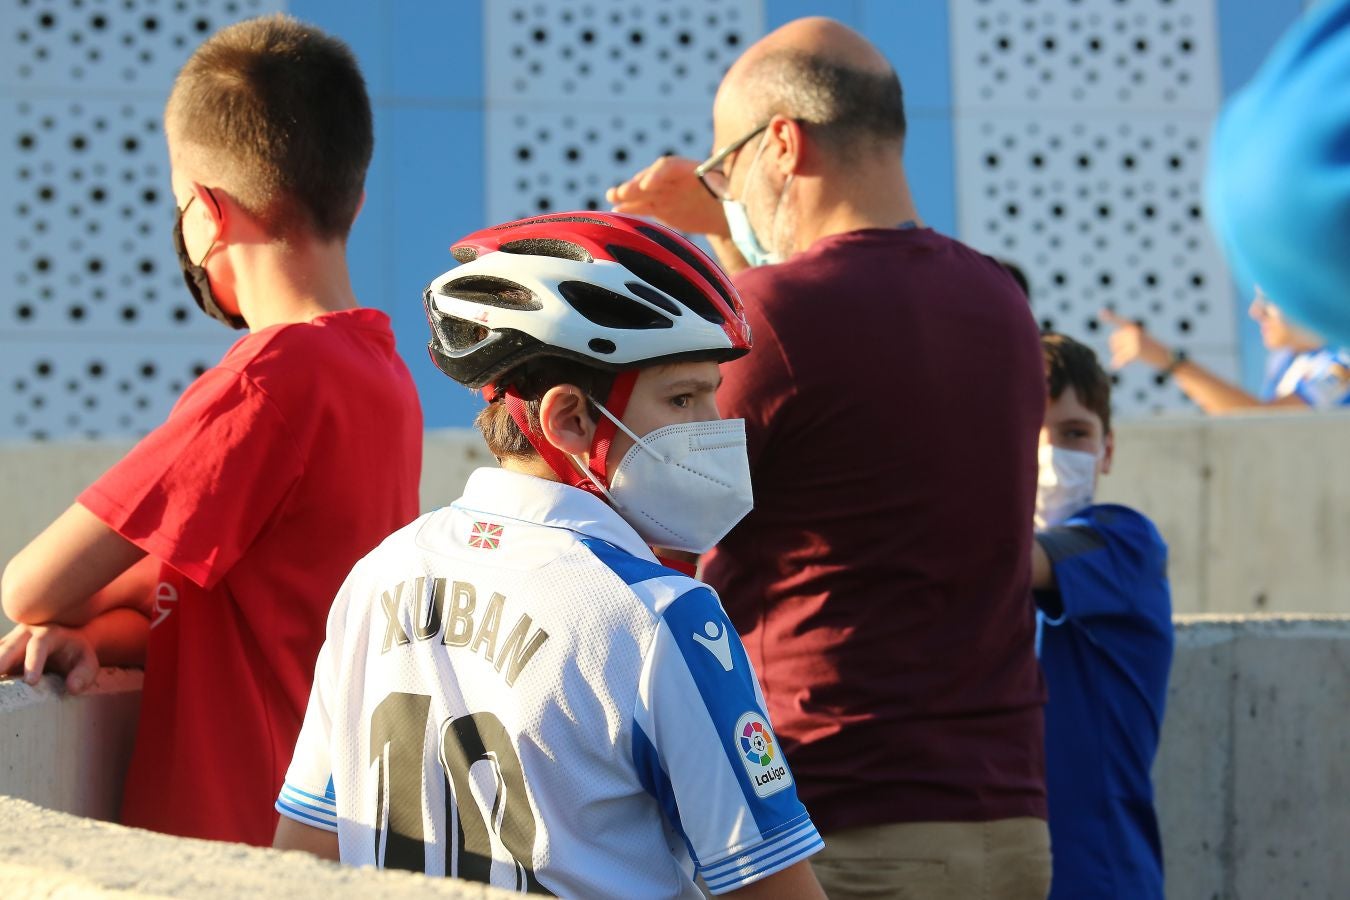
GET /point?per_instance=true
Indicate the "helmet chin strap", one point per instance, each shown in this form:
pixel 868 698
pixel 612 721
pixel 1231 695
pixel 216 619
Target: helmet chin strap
pixel 595 481
pixel 568 468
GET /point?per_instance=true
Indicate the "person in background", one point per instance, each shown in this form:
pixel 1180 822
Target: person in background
pixel 211 552
pixel 880 585
pixel 1302 372
pixel 1276 189
pixel 1104 637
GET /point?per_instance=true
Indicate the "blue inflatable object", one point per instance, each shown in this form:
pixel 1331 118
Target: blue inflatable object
pixel 1278 187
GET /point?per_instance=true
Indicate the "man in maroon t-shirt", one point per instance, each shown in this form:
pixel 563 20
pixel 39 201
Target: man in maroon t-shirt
pixel 893 403
pixel 211 553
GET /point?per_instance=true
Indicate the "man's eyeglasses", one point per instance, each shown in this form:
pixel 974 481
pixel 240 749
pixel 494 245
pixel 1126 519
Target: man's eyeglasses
pixel 710 173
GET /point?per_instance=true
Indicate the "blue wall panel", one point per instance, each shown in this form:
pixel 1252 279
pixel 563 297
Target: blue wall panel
pixel 914 37
pixel 423 62
pixel 780 12
pixel 436 198
pixel 437 50
pixel 930 162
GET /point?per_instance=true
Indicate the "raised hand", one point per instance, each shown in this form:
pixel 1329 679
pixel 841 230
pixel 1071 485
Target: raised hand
pixel 1130 342
pixel 667 190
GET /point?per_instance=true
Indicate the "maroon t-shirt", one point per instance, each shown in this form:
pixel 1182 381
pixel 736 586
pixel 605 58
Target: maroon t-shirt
pixel 893 402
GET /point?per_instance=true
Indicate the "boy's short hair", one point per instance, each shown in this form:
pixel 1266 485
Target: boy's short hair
pixel 531 381
pixel 1071 364
pixel 279 109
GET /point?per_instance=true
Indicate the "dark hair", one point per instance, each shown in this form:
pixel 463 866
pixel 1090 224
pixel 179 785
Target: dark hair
pixel 279 111
pixel 532 380
pixel 1018 276
pixel 1071 364
pixel 845 108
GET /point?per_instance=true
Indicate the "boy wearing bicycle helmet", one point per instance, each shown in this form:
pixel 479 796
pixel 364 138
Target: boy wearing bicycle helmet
pixel 514 689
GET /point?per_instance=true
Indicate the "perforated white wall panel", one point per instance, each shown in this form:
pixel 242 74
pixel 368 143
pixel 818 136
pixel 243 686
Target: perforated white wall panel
pixel 581 95
pixel 98 335
pixel 1081 130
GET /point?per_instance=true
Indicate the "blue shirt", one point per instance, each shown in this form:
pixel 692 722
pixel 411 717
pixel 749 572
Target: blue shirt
pixel 1105 643
pixel 1321 378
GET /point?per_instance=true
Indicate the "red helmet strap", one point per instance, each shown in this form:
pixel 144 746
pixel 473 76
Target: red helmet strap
pixel 562 464
pixel 616 403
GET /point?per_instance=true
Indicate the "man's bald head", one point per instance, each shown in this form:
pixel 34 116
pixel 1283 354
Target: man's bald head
pixel 822 74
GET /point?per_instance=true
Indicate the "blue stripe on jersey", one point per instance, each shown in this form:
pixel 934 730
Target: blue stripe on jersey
pixel 300 815
pixel 624 564
pixel 657 783
pixel 319 810
pixel 792 846
pixel 727 695
pixel 328 801
pixel 328 792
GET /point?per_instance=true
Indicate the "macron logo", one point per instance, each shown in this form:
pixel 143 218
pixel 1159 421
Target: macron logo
pixel 716 642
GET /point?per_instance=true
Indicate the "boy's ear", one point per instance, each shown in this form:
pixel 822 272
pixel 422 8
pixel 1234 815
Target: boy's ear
pixel 1108 451
pixel 565 420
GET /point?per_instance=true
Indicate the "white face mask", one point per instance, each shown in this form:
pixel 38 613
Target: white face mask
pixel 738 221
pixel 682 486
pixel 1065 486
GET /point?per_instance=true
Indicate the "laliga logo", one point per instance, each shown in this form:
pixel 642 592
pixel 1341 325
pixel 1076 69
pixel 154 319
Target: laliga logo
pixel 757 753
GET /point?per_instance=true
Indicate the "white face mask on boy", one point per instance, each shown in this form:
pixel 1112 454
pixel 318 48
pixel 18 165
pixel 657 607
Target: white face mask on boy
pixel 683 486
pixel 1065 484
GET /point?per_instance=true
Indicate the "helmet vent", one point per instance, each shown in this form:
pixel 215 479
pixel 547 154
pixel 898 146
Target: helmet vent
pixel 696 263
pixel 490 291
pixel 548 220
pixel 664 278
pixel 601 345
pixel 653 296
pixel 464 254
pixel 548 247
pixel 456 334
pixel 608 309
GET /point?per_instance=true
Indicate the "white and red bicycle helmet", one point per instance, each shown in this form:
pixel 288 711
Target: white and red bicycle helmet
pixel 606 289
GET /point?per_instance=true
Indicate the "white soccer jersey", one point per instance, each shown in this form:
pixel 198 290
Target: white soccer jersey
pixel 513 690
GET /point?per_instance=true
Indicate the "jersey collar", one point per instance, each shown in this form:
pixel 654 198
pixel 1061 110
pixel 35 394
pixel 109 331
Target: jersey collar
pixel 551 504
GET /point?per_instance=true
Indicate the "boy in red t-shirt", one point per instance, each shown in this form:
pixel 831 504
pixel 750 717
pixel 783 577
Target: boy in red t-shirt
pixel 211 553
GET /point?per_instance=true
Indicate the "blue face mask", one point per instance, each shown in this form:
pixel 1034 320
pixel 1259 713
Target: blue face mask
pixel 742 232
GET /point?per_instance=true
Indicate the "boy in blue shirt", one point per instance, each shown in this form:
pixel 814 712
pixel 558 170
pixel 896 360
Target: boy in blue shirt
pixel 1104 637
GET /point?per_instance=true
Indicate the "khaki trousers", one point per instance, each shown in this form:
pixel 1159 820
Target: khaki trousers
pixel 1008 859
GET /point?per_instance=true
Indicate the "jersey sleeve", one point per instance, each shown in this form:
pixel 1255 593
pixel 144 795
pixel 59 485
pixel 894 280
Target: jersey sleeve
pixel 705 749
pixel 1327 383
pixel 1103 559
pixel 199 489
pixel 307 794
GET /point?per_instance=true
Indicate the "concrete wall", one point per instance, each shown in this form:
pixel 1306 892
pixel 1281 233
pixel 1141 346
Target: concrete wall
pixel 1253 774
pixel 69 753
pixel 1255 508
pixel 1252 779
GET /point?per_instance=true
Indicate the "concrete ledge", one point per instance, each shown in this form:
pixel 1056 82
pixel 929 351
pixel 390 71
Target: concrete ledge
pixel 69 752
pixel 1253 773
pixel 1252 782
pixel 45 854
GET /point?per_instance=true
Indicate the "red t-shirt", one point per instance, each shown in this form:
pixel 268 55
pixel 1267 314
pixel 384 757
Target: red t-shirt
pixel 275 472
pixel 893 402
